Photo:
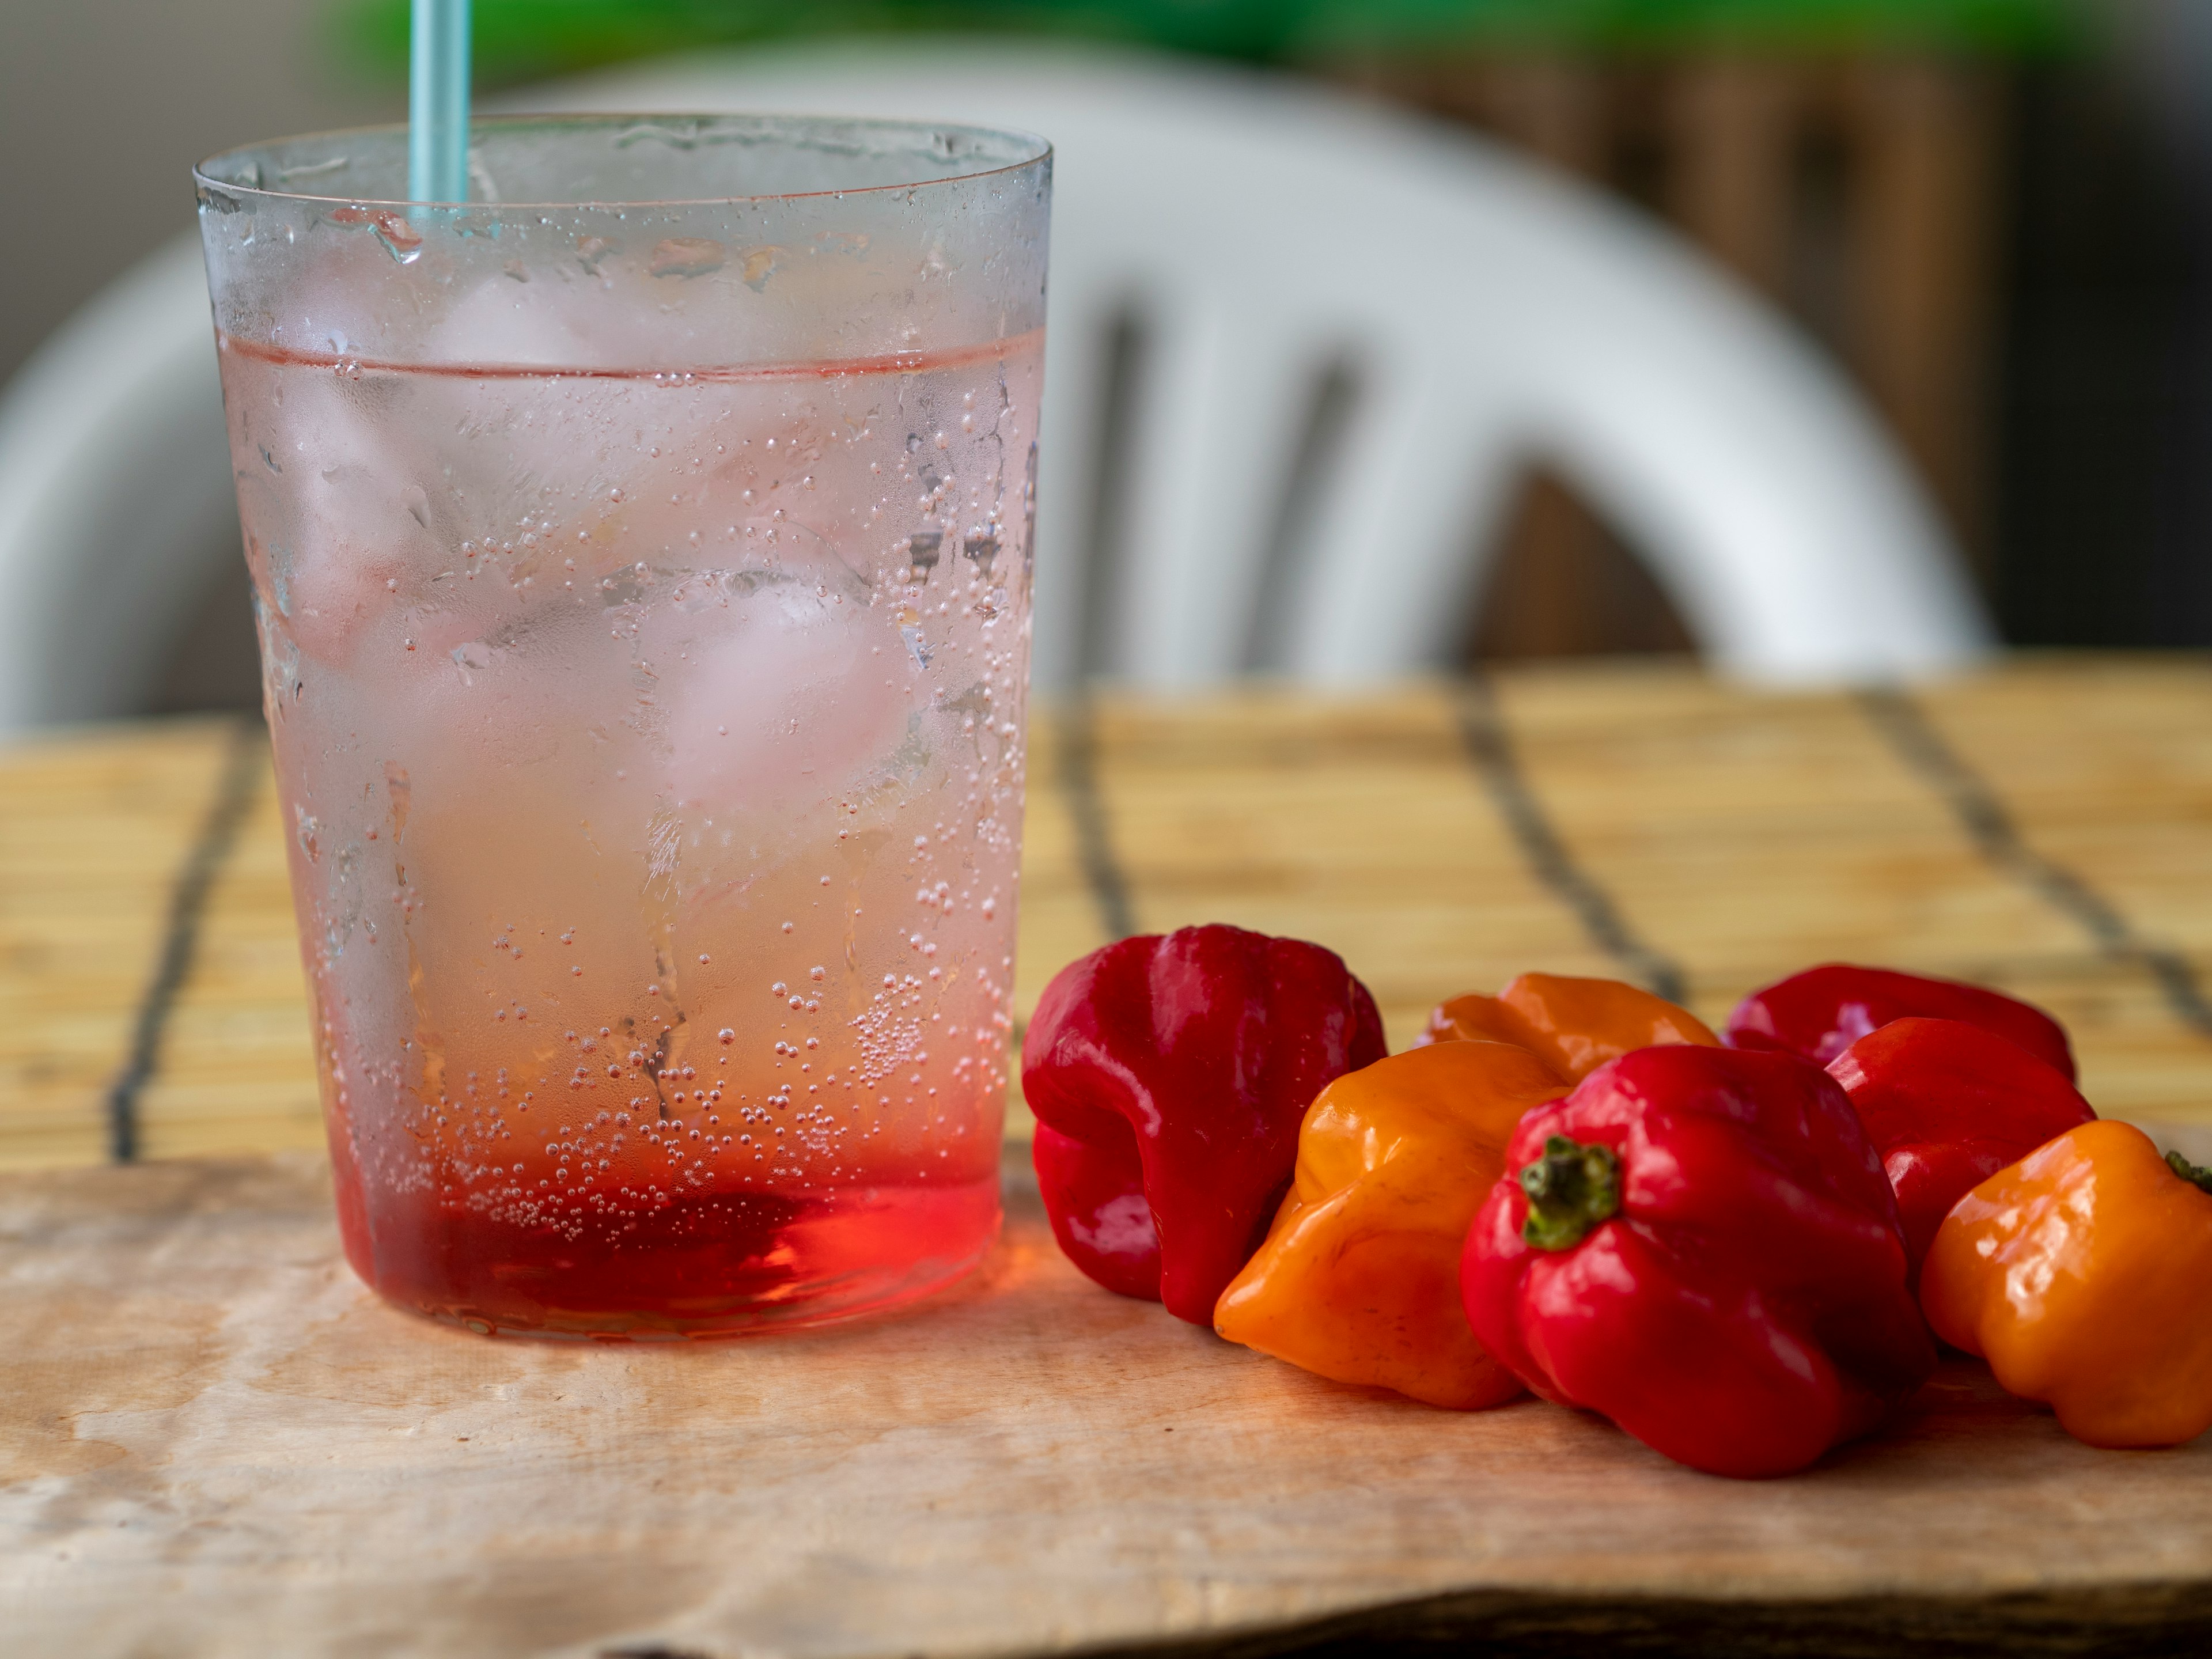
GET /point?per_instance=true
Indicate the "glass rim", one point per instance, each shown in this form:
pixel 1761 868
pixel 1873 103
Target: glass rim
pixel 1038 149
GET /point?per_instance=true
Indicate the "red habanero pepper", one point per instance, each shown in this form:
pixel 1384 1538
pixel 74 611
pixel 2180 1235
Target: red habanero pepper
pixel 1818 1013
pixel 1170 1074
pixel 1701 1245
pixel 1947 1105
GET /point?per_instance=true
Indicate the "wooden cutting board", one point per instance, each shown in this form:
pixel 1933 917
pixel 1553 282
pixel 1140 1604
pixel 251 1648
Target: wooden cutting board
pixel 214 1441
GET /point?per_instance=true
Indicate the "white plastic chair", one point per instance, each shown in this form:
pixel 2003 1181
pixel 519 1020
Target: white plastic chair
pixel 1265 235
pixel 115 495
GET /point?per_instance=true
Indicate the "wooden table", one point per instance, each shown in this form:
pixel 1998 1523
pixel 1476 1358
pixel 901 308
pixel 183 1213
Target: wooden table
pixel 212 1440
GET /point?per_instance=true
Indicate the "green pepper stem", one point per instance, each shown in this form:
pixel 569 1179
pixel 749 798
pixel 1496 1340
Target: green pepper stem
pixel 2200 1179
pixel 1571 1188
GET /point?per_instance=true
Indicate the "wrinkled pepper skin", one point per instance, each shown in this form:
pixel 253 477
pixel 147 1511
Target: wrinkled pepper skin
pixel 2080 1274
pixel 1716 1264
pixel 1818 1013
pixel 1574 1025
pixel 1168 1074
pixel 1947 1105
pixel 1095 1197
pixel 1358 1280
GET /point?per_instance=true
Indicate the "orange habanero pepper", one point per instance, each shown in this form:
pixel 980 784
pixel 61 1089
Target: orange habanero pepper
pixel 2079 1273
pixel 1574 1025
pixel 1358 1279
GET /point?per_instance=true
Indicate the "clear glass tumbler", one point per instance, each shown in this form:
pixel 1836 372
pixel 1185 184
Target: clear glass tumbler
pixel 642 554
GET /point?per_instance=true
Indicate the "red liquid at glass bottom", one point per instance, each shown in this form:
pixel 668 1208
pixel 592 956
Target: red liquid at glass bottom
pixel 715 1263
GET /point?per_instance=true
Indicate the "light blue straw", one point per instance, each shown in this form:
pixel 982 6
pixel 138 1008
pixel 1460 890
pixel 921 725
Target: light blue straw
pixel 437 102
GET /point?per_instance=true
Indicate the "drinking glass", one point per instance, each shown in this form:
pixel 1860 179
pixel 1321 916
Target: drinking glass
pixel 641 558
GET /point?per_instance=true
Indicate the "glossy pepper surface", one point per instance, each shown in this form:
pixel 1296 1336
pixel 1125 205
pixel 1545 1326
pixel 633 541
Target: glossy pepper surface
pixel 1702 1245
pixel 1168 1074
pixel 1947 1105
pixel 2079 1275
pixel 1821 1012
pixel 1358 1280
pixel 1574 1025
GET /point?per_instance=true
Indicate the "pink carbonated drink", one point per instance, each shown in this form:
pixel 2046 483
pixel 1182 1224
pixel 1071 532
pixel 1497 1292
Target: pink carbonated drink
pixel 645 651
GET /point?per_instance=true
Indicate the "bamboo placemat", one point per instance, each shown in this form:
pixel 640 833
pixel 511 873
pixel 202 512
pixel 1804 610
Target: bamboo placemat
pixel 2046 828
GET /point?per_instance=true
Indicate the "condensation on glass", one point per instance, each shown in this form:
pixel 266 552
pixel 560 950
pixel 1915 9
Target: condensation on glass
pixel 643 588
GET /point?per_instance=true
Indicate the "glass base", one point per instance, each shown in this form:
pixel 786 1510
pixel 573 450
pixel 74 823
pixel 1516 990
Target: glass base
pixel 716 1267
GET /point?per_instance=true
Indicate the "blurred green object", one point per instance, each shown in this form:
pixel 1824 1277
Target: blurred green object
pixel 517 39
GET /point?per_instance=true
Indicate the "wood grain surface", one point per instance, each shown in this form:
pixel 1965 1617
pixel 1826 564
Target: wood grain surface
pixel 215 1442
pixel 2046 828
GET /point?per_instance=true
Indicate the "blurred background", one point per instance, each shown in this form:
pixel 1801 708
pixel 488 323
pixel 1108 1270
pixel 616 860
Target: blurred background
pixel 1994 216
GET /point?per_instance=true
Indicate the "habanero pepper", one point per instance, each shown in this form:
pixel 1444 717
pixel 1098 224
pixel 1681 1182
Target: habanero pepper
pixel 1168 1074
pixel 1358 1280
pixel 1574 1025
pixel 1947 1105
pixel 2079 1273
pixel 1700 1243
pixel 1818 1013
